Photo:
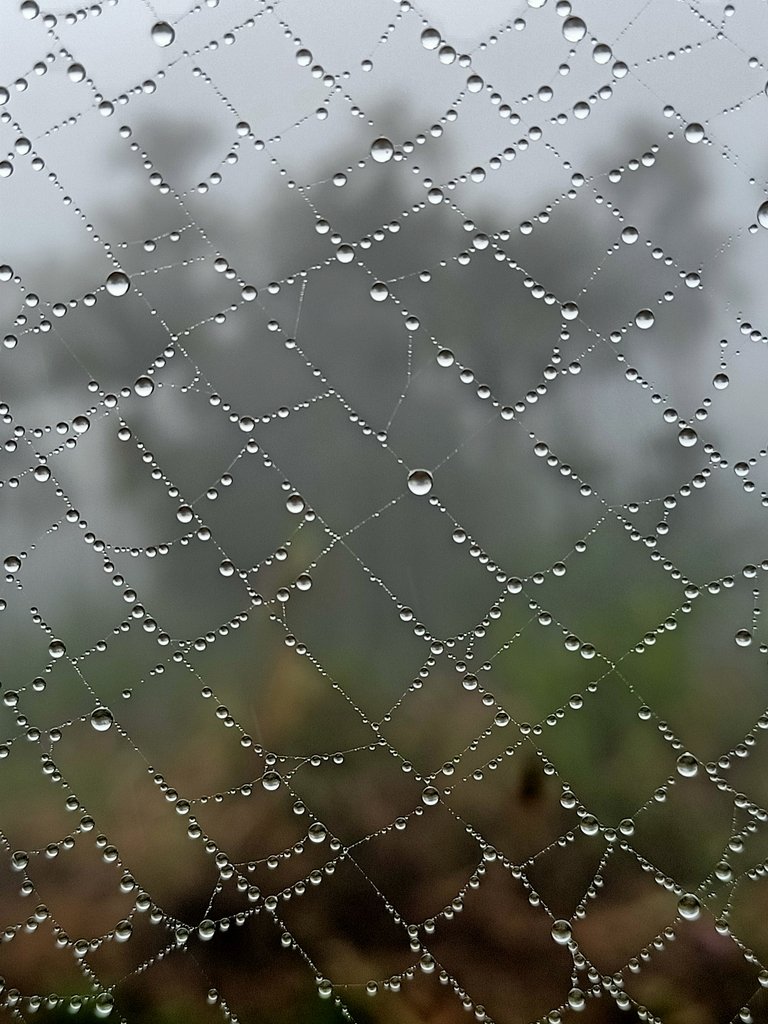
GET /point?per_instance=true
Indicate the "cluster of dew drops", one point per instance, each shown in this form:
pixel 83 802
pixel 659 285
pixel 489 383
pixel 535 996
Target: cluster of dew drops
pixel 420 483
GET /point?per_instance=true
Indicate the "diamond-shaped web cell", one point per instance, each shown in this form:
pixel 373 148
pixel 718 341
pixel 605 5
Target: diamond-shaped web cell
pixel 382 500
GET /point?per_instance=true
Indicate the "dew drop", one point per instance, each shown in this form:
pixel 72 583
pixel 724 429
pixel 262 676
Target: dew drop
pixel 76 72
pixel 123 931
pixel 101 719
pixel 561 932
pixel 689 907
pixel 163 33
pixel 576 999
pixel 743 637
pixel 118 283
pixel 694 132
pixel 12 563
pixel 629 235
pixel 295 504
pixel 270 781
pixel 430 796
pixel 687 766
pixel 317 832
pixel 687 437
pixel 420 482
pixel 430 39
pixel 721 381
pixel 574 29
pixel 645 319
pixel 382 150
pixel 57 649
pixel 602 53
pixel 184 514
pixel 144 387
pixel 762 214
pixel 379 291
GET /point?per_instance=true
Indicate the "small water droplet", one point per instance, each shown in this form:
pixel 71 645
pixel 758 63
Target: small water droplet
pixel 12 563
pixel 721 381
pixel 689 907
pixel 101 719
pixel 574 29
pixel 163 33
pixel 295 504
pixel 743 637
pixel 420 481
pixel 382 150
pixel 118 283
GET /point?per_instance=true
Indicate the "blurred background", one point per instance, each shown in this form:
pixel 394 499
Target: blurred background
pixel 383 512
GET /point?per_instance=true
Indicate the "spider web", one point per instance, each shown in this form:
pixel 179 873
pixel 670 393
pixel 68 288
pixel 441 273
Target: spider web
pixel 382 501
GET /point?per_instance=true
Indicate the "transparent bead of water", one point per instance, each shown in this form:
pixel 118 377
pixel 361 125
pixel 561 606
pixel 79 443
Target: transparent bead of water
pixel 743 637
pixel 561 932
pixel 379 291
pixel 694 132
pixel 163 33
pixel 687 766
pixel 574 29
pixel 420 482
pixel 689 907
pixel 645 319
pixel 118 283
pixel 762 214
pixel 687 437
pixel 101 719
pixel 144 387
pixel 382 150
pixel 430 39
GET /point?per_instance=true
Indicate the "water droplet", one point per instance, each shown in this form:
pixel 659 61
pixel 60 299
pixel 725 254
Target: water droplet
pixel 184 514
pixel 12 563
pixel 227 568
pixel 123 930
pixel 602 53
pixel 721 381
pixel 420 481
pixel 249 293
pixel 163 33
pixel 687 437
pixel 42 474
pixel 382 150
pixel 645 319
pixel 694 132
pixel 76 72
pixel 57 649
pixel 29 10
pixel 118 283
pixel 762 214
pixel 430 796
pixel 304 581
pixel 743 637
pixel 687 766
pixel 430 39
pixel 295 504
pixel 576 999
pixel 570 311
pixel 206 929
pixel 270 781
pixel 689 907
pixel 317 832
pixel 101 719
pixel 574 29
pixel 144 387
pixel 561 932
pixel 379 291
pixel 104 1004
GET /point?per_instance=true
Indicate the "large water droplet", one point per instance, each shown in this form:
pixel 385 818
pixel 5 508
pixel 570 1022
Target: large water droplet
pixel 118 283
pixel 574 29
pixel 12 563
pixel 420 481
pixel 687 437
pixel 144 387
pixel 430 796
pixel 743 637
pixel 101 719
pixel 561 932
pixel 379 291
pixel 721 381
pixel 689 907
pixel 430 39
pixel 645 319
pixel 762 214
pixel 163 33
pixel 382 150
pixel 687 766
pixel 694 132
